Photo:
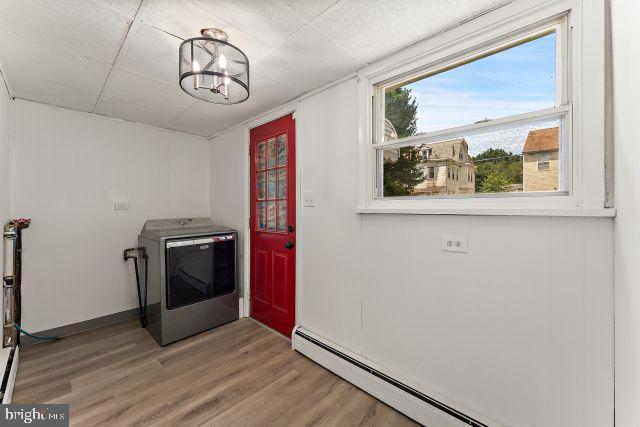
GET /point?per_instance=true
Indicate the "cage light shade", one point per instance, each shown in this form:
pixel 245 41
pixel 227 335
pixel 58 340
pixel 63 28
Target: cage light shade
pixel 213 70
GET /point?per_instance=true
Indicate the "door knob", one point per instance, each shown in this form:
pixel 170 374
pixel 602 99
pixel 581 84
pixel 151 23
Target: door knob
pixel 289 244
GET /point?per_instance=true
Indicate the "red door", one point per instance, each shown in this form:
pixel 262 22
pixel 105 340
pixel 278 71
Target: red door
pixel 272 222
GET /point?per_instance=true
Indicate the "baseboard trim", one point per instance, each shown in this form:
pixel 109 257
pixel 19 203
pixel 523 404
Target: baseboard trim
pixel 76 328
pixel 425 409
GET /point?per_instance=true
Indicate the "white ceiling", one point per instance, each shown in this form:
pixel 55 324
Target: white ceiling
pixel 119 58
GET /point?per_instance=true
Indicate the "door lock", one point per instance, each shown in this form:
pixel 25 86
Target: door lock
pixel 289 244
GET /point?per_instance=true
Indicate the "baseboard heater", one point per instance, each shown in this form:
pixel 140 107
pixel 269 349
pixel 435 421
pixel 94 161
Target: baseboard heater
pixel 464 418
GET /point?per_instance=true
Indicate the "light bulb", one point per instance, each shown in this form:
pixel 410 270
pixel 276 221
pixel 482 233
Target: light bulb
pixel 196 78
pixel 222 62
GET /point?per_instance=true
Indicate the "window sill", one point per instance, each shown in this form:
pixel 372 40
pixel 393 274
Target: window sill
pixel 566 212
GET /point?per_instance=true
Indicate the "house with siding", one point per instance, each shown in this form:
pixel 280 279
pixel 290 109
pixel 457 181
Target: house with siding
pixel 541 160
pixel 447 168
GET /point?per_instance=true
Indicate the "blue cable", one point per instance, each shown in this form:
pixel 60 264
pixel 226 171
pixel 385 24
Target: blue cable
pixel 35 336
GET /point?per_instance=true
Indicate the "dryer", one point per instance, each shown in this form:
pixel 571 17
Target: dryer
pixel 192 283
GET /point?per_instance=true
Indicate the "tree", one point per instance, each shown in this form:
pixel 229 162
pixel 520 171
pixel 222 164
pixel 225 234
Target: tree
pixel 402 175
pixel 495 182
pixel 400 109
pixel 499 163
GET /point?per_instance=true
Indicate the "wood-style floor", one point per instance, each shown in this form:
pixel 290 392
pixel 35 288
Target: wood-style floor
pixel 237 374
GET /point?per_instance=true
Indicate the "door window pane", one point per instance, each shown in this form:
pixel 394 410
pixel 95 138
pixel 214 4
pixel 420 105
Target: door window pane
pixel 282 183
pixel 260 156
pixel 261 214
pixel 271 153
pixel 261 185
pixel 282 215
pixel 282 150
pixel 271 184
pixel 271 216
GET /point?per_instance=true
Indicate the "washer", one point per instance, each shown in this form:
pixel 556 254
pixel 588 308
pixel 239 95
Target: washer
pixel 192 282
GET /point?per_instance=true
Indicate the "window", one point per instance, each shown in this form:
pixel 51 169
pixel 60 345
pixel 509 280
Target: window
pixel 544 160
pixel 431 173
pixel 499 107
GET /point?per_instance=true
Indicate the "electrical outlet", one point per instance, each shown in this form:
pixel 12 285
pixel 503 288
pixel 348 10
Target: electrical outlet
pixel 310 198
pixel 455 244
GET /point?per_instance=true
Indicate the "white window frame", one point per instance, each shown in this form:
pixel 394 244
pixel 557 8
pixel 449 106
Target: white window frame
pixel 547 156
pixel 583 135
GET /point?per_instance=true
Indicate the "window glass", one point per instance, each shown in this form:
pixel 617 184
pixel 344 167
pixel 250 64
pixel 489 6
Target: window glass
pixel 282 215
pixel 517 80
pixel 544 160
pixel 271 184
pixel 282 183
pixel 504 160
pixel 262 215
pixel 271 153
pixel 260 156
pixel 271 216
pixel 282 150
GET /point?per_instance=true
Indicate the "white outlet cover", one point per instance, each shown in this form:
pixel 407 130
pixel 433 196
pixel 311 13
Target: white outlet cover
pixel 455 244
pixel 310 198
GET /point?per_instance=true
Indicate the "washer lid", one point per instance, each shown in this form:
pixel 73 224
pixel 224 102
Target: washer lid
pixel 161 229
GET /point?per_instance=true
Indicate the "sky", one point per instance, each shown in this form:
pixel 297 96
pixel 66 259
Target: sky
pixel 515 81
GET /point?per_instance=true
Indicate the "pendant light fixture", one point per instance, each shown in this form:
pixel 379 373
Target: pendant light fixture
pixel 214 70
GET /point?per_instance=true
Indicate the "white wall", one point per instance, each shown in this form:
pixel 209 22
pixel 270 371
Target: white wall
pixel 68 170
pixel 520 329
pixel 626 69
pixel 228 182
pixel 5 166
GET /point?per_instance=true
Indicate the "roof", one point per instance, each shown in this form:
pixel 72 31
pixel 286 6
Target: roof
pixel 541 140
pixel 449 142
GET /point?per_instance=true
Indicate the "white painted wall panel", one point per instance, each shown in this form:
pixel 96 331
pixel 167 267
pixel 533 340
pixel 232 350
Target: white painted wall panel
pixel 626 68
pixel 228 180
pixel 69 169
pixel 502 329
pixel 329 239
pixel 519 329
pixel 5 160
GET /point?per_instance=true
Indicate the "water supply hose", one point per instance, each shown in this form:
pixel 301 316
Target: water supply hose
pixel 142 303
pixel 19 329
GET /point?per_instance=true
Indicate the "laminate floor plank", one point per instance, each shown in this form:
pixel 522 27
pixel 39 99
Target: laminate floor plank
pixel 237 374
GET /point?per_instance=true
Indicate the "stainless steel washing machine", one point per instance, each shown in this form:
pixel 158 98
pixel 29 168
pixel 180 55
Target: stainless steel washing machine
pixel 192 283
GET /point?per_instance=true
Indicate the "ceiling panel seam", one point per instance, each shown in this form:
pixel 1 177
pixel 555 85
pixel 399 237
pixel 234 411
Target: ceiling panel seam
pixel 117 119
pixel 124 47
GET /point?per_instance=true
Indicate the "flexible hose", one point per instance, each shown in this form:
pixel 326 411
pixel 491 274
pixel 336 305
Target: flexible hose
pixel 35 336
pixel 141 303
